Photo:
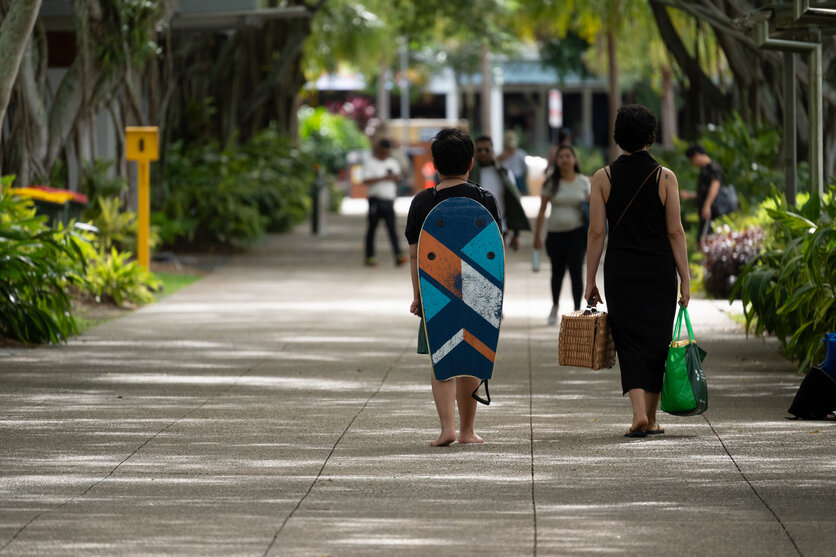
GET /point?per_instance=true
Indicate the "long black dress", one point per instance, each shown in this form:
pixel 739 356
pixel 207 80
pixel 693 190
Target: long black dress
pixel 640 281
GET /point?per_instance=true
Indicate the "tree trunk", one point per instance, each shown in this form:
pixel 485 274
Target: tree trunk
pixel 15 30
pixel 615 92
pixel 384 113
pixel 669 123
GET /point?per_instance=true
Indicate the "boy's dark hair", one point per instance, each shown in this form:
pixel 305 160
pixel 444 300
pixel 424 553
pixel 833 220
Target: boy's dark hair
pixel 452 151
pixel 482 138
pixel 635 128
pixel 693 149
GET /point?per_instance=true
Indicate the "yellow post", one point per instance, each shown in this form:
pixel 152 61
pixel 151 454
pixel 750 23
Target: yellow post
pixel 142 146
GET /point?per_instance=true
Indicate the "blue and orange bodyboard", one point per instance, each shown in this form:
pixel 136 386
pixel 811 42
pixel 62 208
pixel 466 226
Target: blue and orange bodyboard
pixel 461 272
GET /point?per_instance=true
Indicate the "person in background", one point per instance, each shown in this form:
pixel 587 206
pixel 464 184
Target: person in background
pixel 708 186
pixel 645 251
pixel 452 152
pixel 381 173
pixel 498 180
pixel 566 189
pixel 564 137
pixel 513 158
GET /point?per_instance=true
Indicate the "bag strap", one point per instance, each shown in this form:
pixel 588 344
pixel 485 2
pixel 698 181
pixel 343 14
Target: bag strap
pixel 683 312
pixel 475 394
pixel 652 172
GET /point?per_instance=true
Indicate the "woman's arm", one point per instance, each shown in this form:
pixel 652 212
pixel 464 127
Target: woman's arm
pixel 596 234
pixel 538 242
pixel 676 234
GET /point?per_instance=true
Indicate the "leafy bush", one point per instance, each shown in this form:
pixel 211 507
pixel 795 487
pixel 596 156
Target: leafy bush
pixel 329 137
pixel 748 156
pixel 96 184
pixel 112 278
pixel 229 197
pixel 789 290
pixel 37 263
pixel 726 253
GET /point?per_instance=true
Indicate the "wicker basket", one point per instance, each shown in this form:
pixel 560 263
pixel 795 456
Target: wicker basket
pixel 585 340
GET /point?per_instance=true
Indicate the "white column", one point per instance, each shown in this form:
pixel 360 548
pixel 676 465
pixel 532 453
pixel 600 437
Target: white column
pixel 451 97
pixel 497 109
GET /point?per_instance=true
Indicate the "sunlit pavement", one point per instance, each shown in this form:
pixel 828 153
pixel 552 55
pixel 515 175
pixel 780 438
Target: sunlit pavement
pixel 277 407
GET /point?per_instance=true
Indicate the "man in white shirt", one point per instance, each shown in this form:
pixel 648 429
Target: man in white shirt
pixel 381 173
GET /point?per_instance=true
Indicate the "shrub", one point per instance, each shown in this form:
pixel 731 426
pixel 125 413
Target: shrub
pixel 789 289
pixel 112 278
pixel 229 197
pixel 726 253
pixel 329 137
pixel 37 263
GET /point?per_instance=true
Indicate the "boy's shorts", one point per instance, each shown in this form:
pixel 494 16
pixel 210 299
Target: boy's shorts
pixel 423 347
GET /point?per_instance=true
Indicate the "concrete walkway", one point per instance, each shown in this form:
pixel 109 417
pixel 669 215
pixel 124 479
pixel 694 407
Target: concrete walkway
pixel 277 407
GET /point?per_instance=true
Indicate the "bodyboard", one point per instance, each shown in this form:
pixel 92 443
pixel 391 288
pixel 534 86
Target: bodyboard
pixel 461 275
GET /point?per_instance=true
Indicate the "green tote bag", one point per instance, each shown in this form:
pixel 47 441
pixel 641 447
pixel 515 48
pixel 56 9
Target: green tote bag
pixel 684 391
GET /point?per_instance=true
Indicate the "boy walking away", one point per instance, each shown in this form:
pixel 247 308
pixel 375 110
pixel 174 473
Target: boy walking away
pixel 452 152
pixel 381 173
pixel 708 192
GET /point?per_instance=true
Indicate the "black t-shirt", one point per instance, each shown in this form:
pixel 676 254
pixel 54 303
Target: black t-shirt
pixel 424 202
pixel 708 173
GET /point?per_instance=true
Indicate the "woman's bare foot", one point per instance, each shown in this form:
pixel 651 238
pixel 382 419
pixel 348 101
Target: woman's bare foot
pixel 470 438
pixel 444 439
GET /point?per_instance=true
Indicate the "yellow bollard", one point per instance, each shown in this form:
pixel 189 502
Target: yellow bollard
pixel 142 146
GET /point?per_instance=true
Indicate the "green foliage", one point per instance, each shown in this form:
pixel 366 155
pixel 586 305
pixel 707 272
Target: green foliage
pixel 789 290
pixel 37 263
pixel 748 156
pixel 329 137
pixel 111 277
pixel 590 159
pixel 213 197
pixel 118 227
pixel 96 182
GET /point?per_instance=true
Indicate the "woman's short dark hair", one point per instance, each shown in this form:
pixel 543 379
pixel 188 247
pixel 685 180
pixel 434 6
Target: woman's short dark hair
pixel 635 128
pixel 452 151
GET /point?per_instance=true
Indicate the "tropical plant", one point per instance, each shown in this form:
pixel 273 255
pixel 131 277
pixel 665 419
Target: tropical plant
pixel 228 197
pixel 113 277
pixel 748 156
pixel 789 289
pixel 97 181
pixel 329 136
pixel 726 252
pixel 37 263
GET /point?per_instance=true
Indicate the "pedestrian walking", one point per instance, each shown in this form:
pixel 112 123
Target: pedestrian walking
pixel 639 199
pixel 381 173
pixel 567 191
pixel 709 182
pixel 498 180
pixel 513 158
pixel 452 152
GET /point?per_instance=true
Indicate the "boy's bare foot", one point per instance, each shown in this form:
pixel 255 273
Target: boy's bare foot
pixel 443 440
pixel 470 438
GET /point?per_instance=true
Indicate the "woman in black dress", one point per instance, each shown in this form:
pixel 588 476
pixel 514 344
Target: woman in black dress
pixel 639 200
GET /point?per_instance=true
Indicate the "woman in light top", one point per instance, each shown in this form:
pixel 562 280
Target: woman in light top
pixel 568 191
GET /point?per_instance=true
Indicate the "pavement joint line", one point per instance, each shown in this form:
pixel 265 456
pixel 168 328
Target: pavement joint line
pixel 334 448
pixel 531 433
pixel 127 458
pixel 755 491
